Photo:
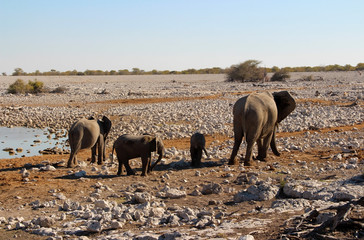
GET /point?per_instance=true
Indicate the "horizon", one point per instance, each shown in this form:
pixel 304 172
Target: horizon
pixel 175 36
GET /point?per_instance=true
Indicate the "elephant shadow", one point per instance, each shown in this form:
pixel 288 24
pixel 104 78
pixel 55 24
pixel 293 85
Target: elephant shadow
pixel 75 176
pixel 174 165
pixel 182 165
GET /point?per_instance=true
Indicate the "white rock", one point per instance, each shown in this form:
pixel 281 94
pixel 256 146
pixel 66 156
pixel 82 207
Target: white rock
pixel 94 226
pixel 246 237
pixel 116 224
pixel 48 168
pixel 102 204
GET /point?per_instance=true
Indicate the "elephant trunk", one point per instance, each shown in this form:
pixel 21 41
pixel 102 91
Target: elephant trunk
pixel 161 154
pixel 204 149
pixel 273 141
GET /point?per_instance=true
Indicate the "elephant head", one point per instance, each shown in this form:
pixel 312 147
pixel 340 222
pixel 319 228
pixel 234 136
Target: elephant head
pixel 157 146
pixel 105 126
pixel 285 104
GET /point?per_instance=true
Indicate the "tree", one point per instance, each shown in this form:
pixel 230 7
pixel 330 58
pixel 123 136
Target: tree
pixel 18 72
pixel 280 76
pixel 360 66
pixel 137 71
pixel 248 71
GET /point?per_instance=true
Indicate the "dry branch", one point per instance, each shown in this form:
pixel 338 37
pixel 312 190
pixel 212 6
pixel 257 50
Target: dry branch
pixel 304 223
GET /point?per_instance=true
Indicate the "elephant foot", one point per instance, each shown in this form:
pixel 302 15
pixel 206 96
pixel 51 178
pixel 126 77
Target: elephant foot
pixel 99 163
pixel 233 162
pixel 260 158
pixel 248 163
pixel 130 173
pixel 277 154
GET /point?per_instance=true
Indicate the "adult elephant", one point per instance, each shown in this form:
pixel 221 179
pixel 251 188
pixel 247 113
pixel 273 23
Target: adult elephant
pixel 197 144
pixel 133 146
pixel 89 133
pixel 257 116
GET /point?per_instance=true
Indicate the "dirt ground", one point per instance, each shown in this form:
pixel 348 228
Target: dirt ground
pixel 15 194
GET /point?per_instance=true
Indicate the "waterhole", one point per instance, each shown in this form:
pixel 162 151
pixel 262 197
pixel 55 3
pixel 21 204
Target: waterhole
pixel 26 142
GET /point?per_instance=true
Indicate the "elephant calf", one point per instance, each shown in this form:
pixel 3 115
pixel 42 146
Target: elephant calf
pixel 89 133
pixel 196 147
pixel 133 146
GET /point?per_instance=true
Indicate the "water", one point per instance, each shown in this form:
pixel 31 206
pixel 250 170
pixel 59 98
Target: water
pixel 31 141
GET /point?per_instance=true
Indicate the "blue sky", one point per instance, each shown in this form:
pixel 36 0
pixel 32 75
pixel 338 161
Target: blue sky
pixel 179 34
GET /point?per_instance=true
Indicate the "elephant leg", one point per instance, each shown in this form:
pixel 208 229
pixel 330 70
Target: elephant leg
pixel 238 138
pixel 248 155
pixel 101 153
pixel 149 165
pixel 199 156
pixel 129 170
pixel 75 159
pixel 120 160
pixel 93 153
pixel 71 160
pixel 263 149
pixel 120 168
pixel 193 156
pixel 260 147
pixel 145 165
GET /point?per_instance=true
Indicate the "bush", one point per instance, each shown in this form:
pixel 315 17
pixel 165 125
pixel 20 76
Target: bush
pixel 36 86
pixel 19 87
pixel 280 76
pixel 248 71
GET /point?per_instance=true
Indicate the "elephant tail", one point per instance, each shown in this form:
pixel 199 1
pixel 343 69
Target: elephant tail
pixel 112 153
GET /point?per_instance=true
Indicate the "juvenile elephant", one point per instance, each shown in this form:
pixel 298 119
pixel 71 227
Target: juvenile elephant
pixel 133 146
pixel 89 133
pixel 197 145
pixel 257 116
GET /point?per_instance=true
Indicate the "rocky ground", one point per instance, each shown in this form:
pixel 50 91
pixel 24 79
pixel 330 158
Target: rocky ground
pixel 321 166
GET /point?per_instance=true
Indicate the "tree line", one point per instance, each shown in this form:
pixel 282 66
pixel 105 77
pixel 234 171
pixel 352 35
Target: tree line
pixel 214 70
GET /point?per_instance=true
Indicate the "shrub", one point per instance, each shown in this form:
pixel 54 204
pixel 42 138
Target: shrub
pixel 17 87
pixel 20 87
pixel 36 86
pixel 248 71
pixel 280 76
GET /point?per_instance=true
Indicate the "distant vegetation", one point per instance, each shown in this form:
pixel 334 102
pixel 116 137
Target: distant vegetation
pixel 248 71
pixel 280 75
pixel 215 70
pixel 19 86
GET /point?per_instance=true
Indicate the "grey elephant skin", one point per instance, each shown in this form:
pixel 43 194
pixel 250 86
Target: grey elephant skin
pixel 197 145
pixel 256 117
pixel 133 146
pixel 89 133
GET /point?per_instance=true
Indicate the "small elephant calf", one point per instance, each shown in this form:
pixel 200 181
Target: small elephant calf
pixel 133 146
pixel 197 145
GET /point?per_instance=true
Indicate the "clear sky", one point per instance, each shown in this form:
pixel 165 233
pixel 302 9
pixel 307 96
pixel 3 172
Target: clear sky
pixel 178 34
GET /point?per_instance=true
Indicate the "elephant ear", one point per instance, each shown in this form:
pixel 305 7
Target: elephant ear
pixel 285 104
pixel 151 140
pixel 106 126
